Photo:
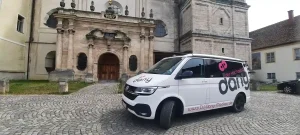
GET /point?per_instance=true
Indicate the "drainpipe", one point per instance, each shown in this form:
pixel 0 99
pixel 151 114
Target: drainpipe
pixel 178 23
pixel 30 36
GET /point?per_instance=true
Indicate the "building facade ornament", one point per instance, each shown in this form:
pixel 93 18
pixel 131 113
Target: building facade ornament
pixel 92 7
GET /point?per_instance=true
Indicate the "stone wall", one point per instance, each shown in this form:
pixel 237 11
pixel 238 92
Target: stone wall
pixel 241 23
pixel 186 46
pixel 244 52
pixel 203 46
pixel 165 10
pixel 237 49
pixel 216 28
pixel 186 19
pixel 227 46
pixel 45 38
pixel 207 16
pixel 201 15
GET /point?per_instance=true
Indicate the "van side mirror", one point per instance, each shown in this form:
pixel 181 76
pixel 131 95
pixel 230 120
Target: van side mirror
pixel 185 74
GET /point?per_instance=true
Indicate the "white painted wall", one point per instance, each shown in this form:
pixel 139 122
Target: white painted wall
pixel 285 66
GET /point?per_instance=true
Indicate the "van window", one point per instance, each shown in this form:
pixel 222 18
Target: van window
pixel 196 65
pixel 223 68
pixel 165 67
pixel 212 68
pixel 234 69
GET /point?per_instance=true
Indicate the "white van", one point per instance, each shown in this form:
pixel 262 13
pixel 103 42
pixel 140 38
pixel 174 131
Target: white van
pixel 187 84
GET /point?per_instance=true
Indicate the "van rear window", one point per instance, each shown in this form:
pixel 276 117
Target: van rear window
pixel 223 68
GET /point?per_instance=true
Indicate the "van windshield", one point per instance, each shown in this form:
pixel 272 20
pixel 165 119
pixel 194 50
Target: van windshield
pixel 165 67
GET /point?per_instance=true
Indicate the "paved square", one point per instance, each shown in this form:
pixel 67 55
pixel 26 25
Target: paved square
pixel 95 110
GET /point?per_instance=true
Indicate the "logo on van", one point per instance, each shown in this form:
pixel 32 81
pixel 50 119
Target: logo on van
pixel 237 83
pixel 223 65
pixel 146 80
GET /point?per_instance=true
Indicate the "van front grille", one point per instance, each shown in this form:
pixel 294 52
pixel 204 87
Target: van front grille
pixel 129 91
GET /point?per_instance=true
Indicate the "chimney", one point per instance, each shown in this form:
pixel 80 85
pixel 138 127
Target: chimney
pixel 291 15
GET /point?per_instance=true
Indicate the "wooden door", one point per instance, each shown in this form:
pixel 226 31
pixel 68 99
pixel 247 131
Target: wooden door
pixel 108 67
pixel 108 72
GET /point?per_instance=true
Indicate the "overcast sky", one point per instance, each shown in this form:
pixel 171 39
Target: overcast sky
pixel 266 12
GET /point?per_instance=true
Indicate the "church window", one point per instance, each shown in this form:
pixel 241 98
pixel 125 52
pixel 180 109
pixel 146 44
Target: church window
pixel 221 21
pixel 50 61
pixel 133 63
pixel 160 29
pixel 20 23
pixel 52 21
pixel 82 61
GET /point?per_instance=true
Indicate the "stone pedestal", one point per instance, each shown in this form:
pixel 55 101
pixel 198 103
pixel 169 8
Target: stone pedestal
pixel 63 86
pixel 89 78
pixel 4 87
pixel 123 80
pixel 61 74
pixel 7 86
pixel 254 86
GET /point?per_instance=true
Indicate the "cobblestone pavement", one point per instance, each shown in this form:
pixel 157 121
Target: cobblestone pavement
pixel 95 110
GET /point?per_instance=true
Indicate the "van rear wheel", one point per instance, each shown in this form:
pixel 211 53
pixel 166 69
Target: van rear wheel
pixel 167 114
pixel 239 103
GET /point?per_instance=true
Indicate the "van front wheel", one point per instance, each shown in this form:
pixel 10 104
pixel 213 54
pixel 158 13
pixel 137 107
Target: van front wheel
pixel 239 103
pixel 167 114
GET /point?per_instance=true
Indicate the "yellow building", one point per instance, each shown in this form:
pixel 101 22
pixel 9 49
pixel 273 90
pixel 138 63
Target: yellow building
pixel 15 16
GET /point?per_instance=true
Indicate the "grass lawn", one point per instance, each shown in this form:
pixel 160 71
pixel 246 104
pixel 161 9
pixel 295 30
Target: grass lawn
pixel 268 87
pixel 41 87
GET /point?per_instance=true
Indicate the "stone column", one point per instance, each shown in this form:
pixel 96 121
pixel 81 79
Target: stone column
pixel 59 43
pixel 142 46
pixel 234 49
pixel 90 58
pixel 125 58
pixel 70 47
pixel 151 48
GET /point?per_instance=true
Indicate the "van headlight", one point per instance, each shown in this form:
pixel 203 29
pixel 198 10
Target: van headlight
pixel 145 90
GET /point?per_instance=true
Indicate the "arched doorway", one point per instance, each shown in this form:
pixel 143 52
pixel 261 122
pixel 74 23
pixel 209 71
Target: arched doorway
pixel 108 67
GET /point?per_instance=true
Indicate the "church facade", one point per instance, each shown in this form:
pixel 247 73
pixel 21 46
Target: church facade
pixel 104 40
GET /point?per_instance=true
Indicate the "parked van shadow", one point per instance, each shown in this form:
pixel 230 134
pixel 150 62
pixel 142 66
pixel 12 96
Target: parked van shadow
pixel 120 121
pixel 201 116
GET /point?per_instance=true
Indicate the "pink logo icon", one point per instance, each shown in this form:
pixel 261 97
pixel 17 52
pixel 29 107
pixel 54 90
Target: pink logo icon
pixel 222 65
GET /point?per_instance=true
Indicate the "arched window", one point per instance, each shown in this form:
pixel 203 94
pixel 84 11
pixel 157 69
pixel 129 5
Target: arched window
pixel 50 61
pixel 133 63
pixel 160 29
pixel 82 61
pixel 51 21
pixel 117 7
